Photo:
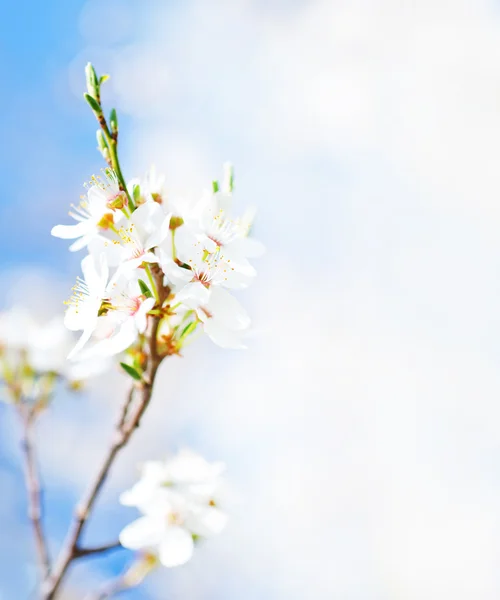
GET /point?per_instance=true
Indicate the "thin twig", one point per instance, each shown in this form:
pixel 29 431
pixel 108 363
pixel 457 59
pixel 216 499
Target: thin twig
pixel 34 490
pixel 110 589
pixel 81 552
pixel 128 421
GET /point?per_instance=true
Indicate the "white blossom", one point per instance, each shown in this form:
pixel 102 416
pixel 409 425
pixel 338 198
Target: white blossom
pixel 124 316
pixel 96 213
pixel 133 242
pixel 178 501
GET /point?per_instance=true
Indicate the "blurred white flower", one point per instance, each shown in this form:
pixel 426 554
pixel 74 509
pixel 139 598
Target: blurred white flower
pixel 31 349
pixel 95 212
pixel 178 501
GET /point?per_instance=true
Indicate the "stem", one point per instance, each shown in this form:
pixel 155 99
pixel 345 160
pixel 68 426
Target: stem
pixel 147 268
pixel 112 141
pixel 129 419
pixel 33 487
pixel 174 255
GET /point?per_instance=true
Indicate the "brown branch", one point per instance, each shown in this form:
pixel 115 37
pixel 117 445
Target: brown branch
pixel 129 420
pixel 81 552
pixel 34 490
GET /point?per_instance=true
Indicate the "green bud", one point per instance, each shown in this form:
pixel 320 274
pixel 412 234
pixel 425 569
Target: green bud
pixel 113 121
pixel 92 102
pixel 215 186
pixel 92 81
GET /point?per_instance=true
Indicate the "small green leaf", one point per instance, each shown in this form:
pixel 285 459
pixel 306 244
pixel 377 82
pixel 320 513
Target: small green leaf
pixel 215 186
pixel 103 78
pixel 144 289
pixel 131 371
pixel 190 327
pixel 93 103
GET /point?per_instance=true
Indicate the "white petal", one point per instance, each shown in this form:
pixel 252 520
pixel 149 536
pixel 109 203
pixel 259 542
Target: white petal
pixel 142 533
pixel 194 294
pixel 227 310
pixel 84 338
pixel 125 336
pixel 160 233
pixel 140 316
pixel 70 232
pixel 80 243
pixel 176 547
pixel 206 521
pixel 221 336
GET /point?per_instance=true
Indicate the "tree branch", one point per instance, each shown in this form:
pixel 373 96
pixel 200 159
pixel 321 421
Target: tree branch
pixel 33 487
pixel 129 420
pixel 81 552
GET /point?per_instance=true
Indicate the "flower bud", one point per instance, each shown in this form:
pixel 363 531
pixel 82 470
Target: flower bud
pixel 92 81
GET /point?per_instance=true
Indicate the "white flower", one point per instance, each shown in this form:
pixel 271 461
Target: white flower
pixel 44 347
pixel 177 499
pixel 95 212
pixel 133 242
pixel 88 294
pixel 224 319
pixel 124 316
pixel 215 227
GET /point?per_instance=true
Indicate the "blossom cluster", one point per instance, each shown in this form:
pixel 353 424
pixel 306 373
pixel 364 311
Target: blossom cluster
pixel 33 356
pixel 179 500
pixel 145 256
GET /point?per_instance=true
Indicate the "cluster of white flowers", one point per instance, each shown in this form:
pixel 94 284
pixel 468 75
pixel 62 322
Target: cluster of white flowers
pixel 135 239
pixel 33 355
pixel 179 500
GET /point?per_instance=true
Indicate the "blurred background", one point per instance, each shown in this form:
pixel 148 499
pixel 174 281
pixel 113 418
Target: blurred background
pixel 361 428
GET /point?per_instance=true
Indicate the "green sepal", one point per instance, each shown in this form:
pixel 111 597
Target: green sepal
pixel 144 289
pixel 131 371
